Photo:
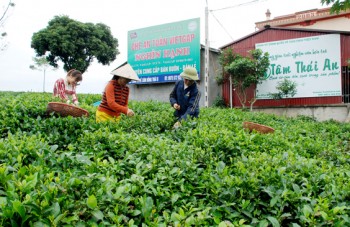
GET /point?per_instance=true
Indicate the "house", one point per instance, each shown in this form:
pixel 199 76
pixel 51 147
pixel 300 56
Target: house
pixel 311 19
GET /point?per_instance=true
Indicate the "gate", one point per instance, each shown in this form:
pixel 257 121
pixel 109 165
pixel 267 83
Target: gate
pixel 345 84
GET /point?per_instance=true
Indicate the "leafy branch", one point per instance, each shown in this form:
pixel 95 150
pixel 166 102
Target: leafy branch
pixel 286 89
pixel 337 5
pixel 3 34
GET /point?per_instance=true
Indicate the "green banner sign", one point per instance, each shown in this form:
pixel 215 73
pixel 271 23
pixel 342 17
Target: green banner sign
pixel 159 54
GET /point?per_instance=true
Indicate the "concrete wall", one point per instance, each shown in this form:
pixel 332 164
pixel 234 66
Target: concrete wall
pixel 161 91
pixel 339 112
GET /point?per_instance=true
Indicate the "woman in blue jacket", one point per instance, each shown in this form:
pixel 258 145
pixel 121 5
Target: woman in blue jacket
pixel 185 96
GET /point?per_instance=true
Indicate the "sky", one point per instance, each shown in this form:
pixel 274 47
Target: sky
pixel 228 20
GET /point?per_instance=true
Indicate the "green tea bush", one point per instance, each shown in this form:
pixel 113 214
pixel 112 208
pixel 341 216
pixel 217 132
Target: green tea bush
pixel 57 171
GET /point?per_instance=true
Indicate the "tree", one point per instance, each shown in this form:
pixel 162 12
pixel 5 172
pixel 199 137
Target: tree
pixel 41 64
pixel 76 44
pixel 3 17
pixel 225 58
pixel 337 5
pixel 245 72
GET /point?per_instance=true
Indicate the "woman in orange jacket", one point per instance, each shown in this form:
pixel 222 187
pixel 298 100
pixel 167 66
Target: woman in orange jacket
pixel 115 97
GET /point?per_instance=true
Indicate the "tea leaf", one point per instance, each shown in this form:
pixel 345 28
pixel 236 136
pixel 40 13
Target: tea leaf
pixel 273 221
pixel 19 208
pixel 92 202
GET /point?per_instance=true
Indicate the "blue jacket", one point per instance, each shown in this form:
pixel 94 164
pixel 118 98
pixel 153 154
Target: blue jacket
pixel 188 99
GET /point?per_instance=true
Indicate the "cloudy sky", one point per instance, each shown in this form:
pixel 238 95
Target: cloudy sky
pixel 228 20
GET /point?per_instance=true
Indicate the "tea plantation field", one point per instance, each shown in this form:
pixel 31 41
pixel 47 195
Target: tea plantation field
pixel 210 172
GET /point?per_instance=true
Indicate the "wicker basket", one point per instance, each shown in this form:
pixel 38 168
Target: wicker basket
pixel 251 126
pixel 65 110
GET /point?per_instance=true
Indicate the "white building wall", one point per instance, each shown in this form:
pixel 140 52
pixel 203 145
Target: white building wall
pixel 161 91
pixel 341 24
pixel 339 112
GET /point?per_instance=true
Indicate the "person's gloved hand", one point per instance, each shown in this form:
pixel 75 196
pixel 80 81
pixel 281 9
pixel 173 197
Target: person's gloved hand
pixel 76 103
pixel 68 101
pixel 177 125
pixel 130 113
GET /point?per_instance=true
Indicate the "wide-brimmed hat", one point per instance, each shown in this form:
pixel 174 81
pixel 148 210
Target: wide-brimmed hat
pixel 126 71
pixel 190 73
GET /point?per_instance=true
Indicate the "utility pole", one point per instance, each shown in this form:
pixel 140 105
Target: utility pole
pixel 44 80
pixel 206 62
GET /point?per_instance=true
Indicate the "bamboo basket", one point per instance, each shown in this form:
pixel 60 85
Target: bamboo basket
pixel 251 126
pixel 64 110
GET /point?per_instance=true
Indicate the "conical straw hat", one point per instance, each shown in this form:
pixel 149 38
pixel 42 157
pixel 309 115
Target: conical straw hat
pixel 126 71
